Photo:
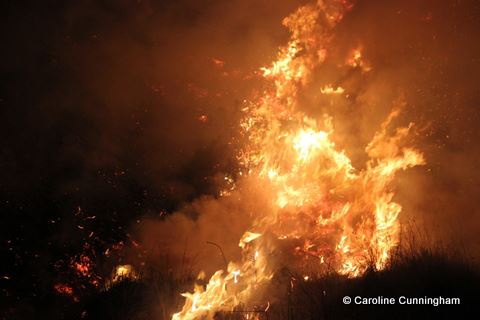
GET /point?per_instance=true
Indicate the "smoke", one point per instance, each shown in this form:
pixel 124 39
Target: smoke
pixel 206 231
pixel 417 62
pixel 426 53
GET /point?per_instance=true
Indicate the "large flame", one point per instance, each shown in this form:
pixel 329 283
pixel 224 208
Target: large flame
pixel 331 215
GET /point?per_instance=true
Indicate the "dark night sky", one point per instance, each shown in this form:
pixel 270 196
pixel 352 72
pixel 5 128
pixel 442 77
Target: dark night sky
pixel 101 105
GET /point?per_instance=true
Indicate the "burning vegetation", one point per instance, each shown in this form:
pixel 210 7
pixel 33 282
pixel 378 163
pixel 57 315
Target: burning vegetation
pixel 325 214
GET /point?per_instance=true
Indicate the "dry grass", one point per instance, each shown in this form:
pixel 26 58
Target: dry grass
pixel 414 271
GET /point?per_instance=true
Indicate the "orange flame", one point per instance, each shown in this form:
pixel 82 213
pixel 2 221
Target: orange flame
pixel 332 211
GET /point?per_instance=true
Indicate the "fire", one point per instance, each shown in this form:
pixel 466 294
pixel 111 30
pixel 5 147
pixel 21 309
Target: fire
pixel 120 273
pixel 123 272
pixel 307 141
pixel 355 60
pixel 331 90
pixel 328 213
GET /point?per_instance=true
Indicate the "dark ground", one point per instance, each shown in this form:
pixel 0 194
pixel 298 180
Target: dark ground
pixel 425 273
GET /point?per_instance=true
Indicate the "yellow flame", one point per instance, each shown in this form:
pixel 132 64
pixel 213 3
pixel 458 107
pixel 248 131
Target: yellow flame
pixel 342 216
pixel 125 271
pixel 331 90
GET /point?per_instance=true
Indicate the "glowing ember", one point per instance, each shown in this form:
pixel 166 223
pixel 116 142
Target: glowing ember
pixel 327 211
pixel 83 266
pixel 203 118
pixel 63 289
